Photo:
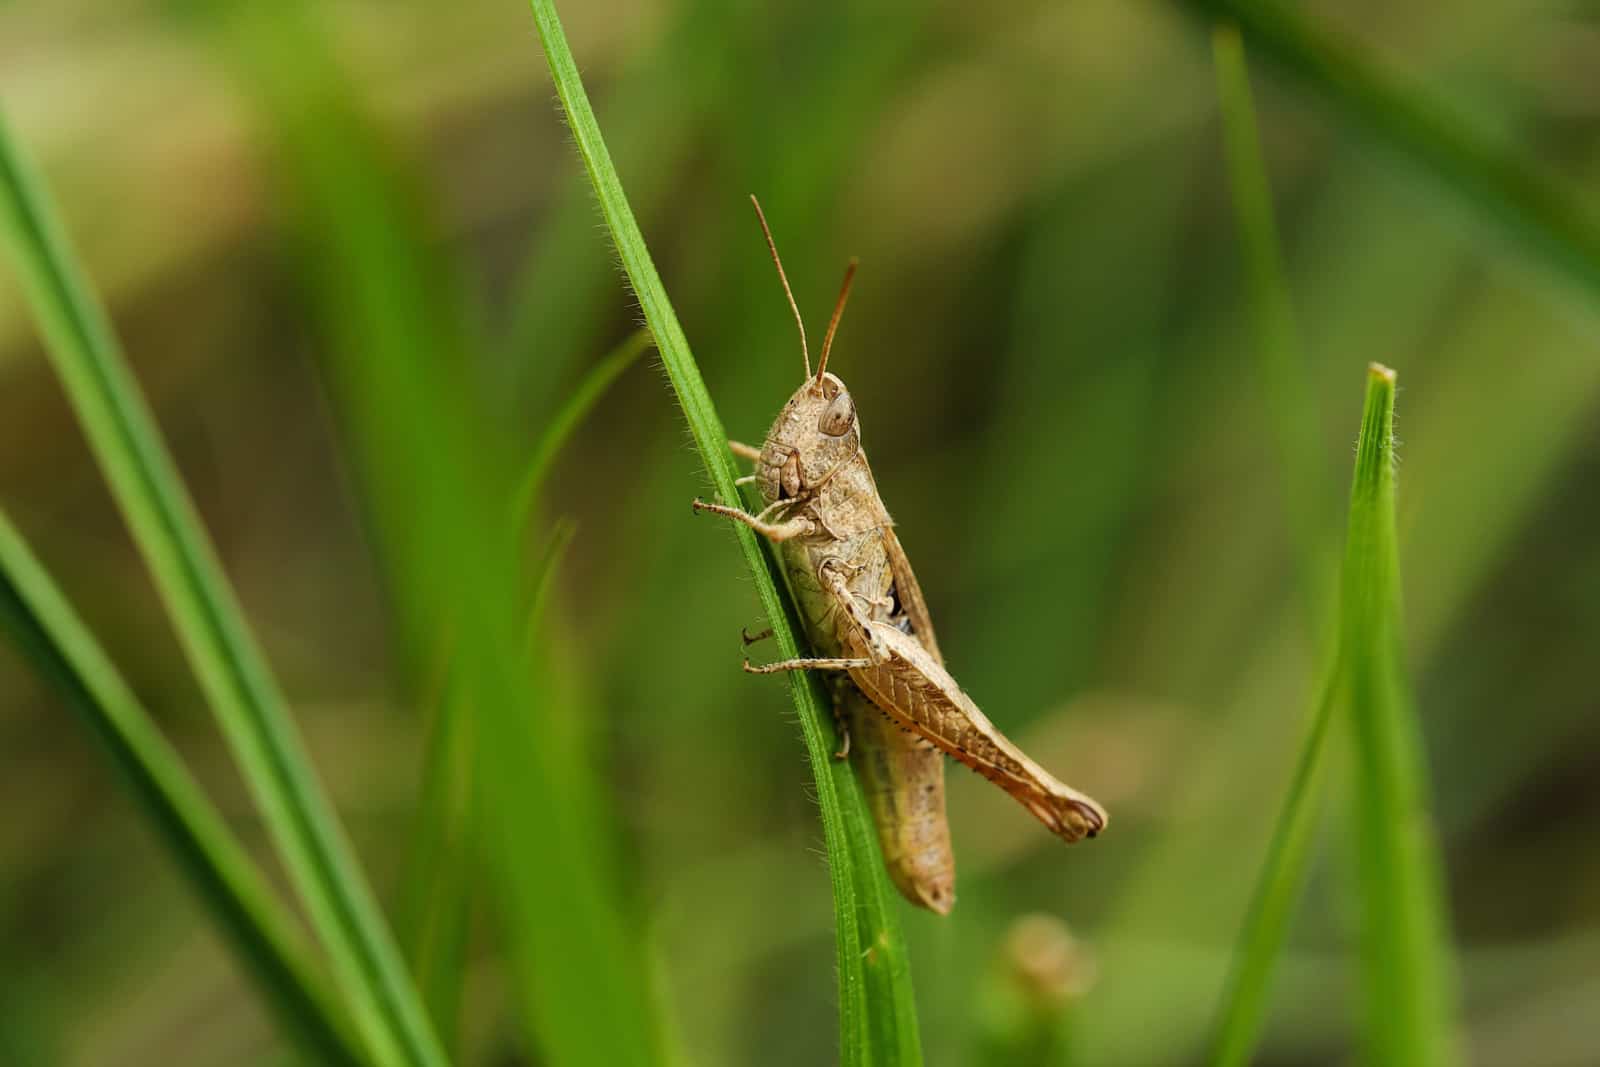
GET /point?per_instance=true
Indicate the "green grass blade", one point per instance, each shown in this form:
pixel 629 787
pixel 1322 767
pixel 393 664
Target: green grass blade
pixel 1277 893
pixel 1261 939
pixel 877 1014
pixel 566 419
pixel 1286 388
pixel 52 637
pixel 1407 970
pixel 203 610
pixel 437 483
pixel 1535 213
pixel 440 884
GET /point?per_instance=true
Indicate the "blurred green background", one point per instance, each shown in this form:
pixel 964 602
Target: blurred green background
pixel 1051 351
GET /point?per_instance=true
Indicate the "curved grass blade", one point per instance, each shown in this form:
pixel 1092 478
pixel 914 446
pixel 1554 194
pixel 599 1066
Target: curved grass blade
pixel 203 610
pixel 1537 214
pixel 573 411
pixel 876 1010
pixel 436 481
pixel 51 636
pixel 1407 971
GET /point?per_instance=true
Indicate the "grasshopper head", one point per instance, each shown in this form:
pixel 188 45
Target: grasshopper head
pixel 814 434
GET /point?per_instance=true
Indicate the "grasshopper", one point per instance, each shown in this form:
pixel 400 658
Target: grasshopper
pixel 867 620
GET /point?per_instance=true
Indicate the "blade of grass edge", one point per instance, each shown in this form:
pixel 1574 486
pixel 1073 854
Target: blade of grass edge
pixel 1537 214
pixel 263 934
pixel 205 613
pixel 1407 966
pixel 860 901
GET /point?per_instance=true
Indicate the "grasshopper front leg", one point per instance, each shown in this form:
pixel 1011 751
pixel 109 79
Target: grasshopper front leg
pixel 796 526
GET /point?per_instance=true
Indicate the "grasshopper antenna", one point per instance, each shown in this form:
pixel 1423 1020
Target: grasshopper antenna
pixel 838 310
pixel 784 278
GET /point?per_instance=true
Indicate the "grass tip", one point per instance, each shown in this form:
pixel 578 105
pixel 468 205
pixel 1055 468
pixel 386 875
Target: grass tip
pixel 1378 370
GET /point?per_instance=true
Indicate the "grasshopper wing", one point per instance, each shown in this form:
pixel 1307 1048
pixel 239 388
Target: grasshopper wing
pixel 915 691
pixel 909 593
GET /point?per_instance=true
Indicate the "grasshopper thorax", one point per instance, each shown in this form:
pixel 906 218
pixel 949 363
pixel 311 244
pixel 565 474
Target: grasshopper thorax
pixel 813 438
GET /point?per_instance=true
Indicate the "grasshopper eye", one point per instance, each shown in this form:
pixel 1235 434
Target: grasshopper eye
pixel 838 417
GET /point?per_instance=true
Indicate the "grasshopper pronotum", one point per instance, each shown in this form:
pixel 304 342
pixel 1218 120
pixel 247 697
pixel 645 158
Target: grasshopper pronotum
pixel 866 618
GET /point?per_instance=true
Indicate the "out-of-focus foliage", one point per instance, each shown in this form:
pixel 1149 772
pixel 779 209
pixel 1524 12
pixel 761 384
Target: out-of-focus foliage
pixel 1046 344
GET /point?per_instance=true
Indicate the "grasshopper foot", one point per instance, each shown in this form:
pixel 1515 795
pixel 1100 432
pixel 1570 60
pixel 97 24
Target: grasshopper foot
pixel 843 727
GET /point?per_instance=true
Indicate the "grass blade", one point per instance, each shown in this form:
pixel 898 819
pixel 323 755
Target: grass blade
pixel 440 885
pixel 1278 358
pixel 566 419
pixel 876 1011
pixel 437 485
pixel 438 894
pixel 1277 893
pixel 1538 215
pixel 48 632
pixel 203 610
pixel 1407 973
pixel 1261 939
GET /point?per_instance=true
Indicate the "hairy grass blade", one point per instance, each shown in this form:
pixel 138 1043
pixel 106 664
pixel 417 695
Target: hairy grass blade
pixel 877 1014
pixel 1407 968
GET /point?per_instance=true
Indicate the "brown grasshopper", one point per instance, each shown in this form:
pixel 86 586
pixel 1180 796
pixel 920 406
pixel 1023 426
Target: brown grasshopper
pixel 866 617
